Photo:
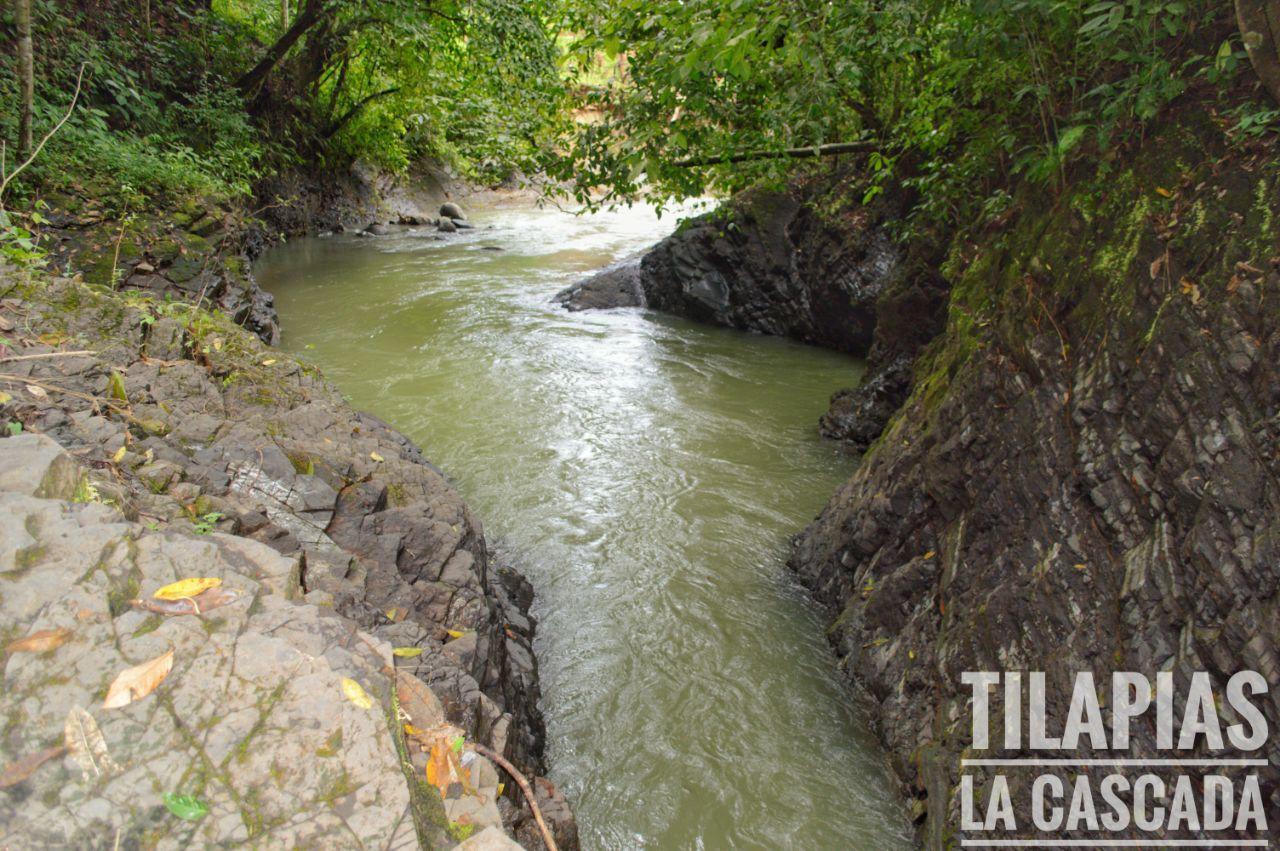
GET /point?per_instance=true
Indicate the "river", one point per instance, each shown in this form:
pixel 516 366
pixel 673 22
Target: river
pixel 645 471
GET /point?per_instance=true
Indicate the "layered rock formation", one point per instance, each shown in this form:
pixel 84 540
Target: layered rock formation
pixel 1086 476
pixel 188 423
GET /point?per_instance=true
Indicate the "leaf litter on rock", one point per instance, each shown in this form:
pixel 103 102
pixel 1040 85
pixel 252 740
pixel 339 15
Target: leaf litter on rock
pixel 205 601
pixel 137 682
pixel 186 588
pixel 86 744
pixel 39 642
pixel 186 807
pixel 16 772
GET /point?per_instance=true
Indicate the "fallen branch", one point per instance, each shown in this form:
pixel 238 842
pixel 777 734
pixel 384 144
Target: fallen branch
pixel 787 153
pixel 47 355
pixel 524 787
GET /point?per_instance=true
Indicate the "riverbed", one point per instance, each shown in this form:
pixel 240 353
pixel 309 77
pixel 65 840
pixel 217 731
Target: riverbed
pixel 645 473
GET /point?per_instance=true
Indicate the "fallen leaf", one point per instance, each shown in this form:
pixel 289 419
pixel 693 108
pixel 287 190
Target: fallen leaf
pixel 376 457
pixel 186 588
pixel 407 652
pixel 119 455
pixel 137 682
pixel 1164 193
pixel 85 743
pixel 397 614
pixel 217 344
pixel 268 361
pixel 929 555
pixel 38 392
pixel 186 807
pixel 455 633
pixel 39 642
pixel 1157 266
pixel 213 598
pixel 4 397
pixel 356 693
pixel 1082 567
pixel 16 772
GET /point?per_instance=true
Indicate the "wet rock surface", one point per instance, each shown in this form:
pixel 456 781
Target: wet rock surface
pixel 615 286
pixel 1084 478
pixel 191 426
pixel 791 264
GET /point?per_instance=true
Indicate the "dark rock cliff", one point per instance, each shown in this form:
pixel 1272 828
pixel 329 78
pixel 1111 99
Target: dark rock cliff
pixel 1086 476
pixel 806 264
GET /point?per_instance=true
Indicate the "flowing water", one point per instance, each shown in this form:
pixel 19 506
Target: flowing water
pixel 646 471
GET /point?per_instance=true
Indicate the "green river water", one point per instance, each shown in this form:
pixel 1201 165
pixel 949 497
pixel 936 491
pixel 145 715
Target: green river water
pixel 646 472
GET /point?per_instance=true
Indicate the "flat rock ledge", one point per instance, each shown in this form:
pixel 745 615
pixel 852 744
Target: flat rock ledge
pixel 155 445
pixel 252 720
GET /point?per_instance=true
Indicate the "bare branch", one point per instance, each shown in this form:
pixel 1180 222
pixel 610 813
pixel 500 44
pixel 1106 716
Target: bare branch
pixel 29 160
pixel 788 153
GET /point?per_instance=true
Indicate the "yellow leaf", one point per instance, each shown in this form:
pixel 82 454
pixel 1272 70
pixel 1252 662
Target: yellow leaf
pixel 1082 567
pixel 137 682
pixel 4 397
pixel 39 642
pixel 407 652
pixel 187 588
pixel 268 361
pixel 1164 192
pixel 119 456
pixel 376 457
pixel 929 555
pixel 217 344
pixel 410 730
pixel 454 633
pixel 356 693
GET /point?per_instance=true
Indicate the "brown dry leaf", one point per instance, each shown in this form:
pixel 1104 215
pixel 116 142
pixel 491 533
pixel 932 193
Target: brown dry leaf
pixel 1157 266
pixel 39 642
pixel 86 745
pixel 16 772
pixel 137 682
pixel 206 601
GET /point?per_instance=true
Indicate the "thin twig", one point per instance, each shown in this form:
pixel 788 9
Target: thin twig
pixel 524 787
pixel 47 355
pixel 47 136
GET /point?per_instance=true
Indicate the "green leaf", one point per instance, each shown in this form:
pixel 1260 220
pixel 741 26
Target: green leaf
pixel 186 807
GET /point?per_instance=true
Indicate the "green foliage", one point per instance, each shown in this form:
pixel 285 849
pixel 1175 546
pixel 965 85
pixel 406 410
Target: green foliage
pixel 959 98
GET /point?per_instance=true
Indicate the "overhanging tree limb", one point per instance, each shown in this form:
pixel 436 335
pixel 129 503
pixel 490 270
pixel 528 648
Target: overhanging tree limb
pixel 359 105
pixel 787 153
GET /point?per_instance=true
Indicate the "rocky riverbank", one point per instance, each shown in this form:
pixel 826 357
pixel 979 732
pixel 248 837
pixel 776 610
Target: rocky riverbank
pixel 1071 436
pixel 213 454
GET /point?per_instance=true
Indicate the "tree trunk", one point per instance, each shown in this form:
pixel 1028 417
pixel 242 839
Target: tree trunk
pixel 1259 22
pixel 26 75
pixel 251 81
pixel 284 14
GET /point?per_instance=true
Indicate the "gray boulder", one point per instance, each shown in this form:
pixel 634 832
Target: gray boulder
pixel 450 210
pixel 614 286
pixel 446 226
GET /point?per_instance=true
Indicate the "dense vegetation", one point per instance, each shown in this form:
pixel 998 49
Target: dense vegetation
pixel 957 100
pixel 189 96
